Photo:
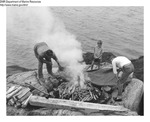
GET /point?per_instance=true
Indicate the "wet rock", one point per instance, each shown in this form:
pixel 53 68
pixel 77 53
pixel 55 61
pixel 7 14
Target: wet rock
pixel 132 94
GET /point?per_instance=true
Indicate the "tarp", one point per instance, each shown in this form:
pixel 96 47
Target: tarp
pixel 103 77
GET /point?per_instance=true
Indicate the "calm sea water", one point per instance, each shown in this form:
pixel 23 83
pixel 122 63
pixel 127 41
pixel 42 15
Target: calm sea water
pixel 120 28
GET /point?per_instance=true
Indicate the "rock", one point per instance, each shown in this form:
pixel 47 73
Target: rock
pixel 16 69
pixel 139 68
pixel 29 77
pixel 132 94
pixel 88 57
pixel 115 93
pixel 106 56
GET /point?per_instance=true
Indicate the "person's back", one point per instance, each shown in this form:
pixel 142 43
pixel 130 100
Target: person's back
pixel 120 61
pixel 40 48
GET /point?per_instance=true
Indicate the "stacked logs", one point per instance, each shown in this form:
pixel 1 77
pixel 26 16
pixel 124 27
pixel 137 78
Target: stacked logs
pixel 103 94
pixel 18 96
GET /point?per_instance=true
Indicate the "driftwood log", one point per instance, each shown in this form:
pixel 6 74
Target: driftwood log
pixel 69 104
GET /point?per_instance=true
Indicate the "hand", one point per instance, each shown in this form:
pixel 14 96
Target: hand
pixel 61 68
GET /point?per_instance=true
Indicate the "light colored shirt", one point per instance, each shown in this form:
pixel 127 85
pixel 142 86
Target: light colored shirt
pixel 98 52
pixel 119 62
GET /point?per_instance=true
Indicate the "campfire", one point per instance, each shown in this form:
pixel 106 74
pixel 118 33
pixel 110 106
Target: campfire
pixel 79 88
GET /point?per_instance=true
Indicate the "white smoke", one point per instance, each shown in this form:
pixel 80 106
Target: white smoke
pixel 44 27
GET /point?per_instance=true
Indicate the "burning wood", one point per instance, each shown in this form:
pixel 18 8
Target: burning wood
pixel 88 94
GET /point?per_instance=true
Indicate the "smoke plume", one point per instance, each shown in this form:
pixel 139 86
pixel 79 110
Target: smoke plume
pixel 42 26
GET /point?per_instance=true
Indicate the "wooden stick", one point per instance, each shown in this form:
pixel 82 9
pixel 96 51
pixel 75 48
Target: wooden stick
pixel 38 89
pixel 11 102
pixel 22 93
pixel 14 98
pixel 13 93
pixel 68 104
pixel 25 97
pixel 25 103
pixel 11 89
pixel 18 104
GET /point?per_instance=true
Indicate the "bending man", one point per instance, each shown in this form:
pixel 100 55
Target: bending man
pixel 44 55
pixel 126 66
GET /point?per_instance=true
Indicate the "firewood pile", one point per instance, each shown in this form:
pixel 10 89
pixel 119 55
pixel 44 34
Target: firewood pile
pixel 103 94
pixel 18 96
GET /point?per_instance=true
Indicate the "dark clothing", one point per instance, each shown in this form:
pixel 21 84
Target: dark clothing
pixel 96 61
pixel 127 70
pixel 40 53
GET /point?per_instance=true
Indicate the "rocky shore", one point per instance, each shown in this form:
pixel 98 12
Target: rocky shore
pixel 131 97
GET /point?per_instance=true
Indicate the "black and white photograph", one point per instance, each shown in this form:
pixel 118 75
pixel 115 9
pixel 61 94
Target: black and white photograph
pixel 75 61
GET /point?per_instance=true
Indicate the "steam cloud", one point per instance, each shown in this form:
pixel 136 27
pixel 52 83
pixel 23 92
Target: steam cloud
pixel 44 27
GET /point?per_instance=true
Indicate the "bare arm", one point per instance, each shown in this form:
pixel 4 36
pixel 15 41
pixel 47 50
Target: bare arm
pixel 114 67
pixel 55 58
pixel 35 52
pixel 94 53
pixel 60 67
